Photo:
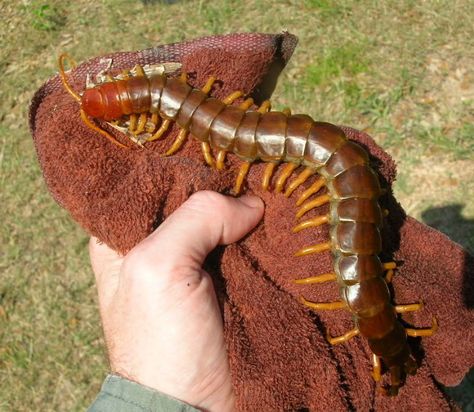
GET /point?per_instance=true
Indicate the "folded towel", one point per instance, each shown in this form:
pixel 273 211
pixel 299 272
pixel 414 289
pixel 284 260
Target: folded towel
pixel 279 355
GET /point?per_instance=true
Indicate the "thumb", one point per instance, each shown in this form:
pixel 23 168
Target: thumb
pixel 204 221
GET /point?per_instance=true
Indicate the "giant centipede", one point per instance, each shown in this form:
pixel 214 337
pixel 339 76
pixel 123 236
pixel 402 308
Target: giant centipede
pixel 342 166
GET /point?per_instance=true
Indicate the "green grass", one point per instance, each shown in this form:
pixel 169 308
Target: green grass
pixel 401 70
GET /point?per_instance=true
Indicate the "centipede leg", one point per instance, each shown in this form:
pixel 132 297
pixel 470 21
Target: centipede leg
pixel 177 143
pixel 343 338
pixel 220 159
pixel 267 175
pixel 265 106
pixel 327 277
pixel 162 130
pixel 133 123
pixel 321 247
pixel 319 201
pixel 316 221
pixel 377 368
pixel 287 171
pixel 141 123
pixel 314 188
pixel 245 105
pixel 389 265
pixel 232 97
pixel 323 305
pixel 423 332
pixel 206 151
pixel 244 169
pixel 286 111
pixel 208 86
pixel 413 307
pixel 154 121
pixel 301 178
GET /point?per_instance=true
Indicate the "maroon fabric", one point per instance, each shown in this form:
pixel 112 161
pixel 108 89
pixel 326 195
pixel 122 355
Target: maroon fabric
pixel 279 356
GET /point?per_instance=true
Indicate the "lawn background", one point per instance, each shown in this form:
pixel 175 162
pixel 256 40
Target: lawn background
pixel 400 70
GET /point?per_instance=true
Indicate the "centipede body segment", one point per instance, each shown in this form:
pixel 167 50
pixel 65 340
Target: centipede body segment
pixel 328 157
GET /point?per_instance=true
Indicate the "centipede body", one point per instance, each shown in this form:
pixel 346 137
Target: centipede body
pixel 342 166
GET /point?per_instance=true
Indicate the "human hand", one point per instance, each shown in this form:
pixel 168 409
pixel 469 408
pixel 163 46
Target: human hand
pixel 162 323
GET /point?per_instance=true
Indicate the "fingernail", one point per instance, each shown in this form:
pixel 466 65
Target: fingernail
pixel 252 201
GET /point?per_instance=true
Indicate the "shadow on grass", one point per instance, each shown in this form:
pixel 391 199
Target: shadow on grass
pixel 448 219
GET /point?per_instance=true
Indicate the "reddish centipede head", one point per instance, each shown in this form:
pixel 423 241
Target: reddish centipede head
pixel 93 103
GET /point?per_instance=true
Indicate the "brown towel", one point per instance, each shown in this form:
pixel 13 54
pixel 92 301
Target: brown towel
pixel 279 356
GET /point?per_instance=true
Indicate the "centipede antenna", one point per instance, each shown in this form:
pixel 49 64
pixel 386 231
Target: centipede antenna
pixel 62 73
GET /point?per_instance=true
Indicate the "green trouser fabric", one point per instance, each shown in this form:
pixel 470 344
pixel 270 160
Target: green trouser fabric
pixel 121 395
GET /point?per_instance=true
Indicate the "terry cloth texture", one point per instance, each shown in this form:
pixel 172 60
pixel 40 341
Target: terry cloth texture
pixel 279 355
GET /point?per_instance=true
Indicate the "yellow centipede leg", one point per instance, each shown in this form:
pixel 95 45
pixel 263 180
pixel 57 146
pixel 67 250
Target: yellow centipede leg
pixel 267 175
pixel 162 130
pixel 286 111
pixel 302 177
pixel 423 332
pixel 178 142
pixel 183 77
pixel 413 307
pixel 206 151
pixel 319 201
pixel 245 105
pixel 314 188
pixel 154 121
pixel 141 123
pixel 232 97
pixel 327 277
pixel 208 86
pixel 322 247
pixel 389 276
pixel 377 368
pixel 220 159
pixel 265 107
pixel 133 122
pixel 323 305
pixel 389 265
pixel 316 221
pixel 244 169
pixel 287 171
pixel 343 338
pixel 91 125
